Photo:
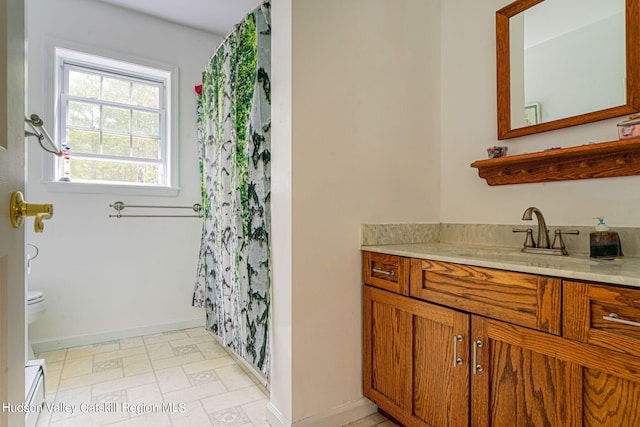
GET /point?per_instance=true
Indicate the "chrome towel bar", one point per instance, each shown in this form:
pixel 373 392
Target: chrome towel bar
pixel 119 207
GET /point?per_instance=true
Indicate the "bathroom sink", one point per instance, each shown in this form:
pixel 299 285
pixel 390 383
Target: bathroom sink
pixel 515 255
pixel 561 260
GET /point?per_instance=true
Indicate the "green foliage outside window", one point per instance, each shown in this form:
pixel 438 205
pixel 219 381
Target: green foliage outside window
pixel 118 118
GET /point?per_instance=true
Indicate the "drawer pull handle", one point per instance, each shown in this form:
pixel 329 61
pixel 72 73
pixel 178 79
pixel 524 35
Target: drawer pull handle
pixel 388 273
pixel 476 366
pixel 613 317
pixel 456 360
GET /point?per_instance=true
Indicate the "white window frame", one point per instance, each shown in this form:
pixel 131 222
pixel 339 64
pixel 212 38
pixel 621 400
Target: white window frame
pixel 109 63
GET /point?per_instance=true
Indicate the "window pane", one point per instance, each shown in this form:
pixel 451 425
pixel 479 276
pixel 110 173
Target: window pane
pixel 84 85
pixel 150 174
pixel 84 115
pixel 117 119
pixel 82 141
pixel 114 120
pixel 96 170
pixel 116 145
pixel 147 148
pixel 145 95
pixel 146 123
pixel 116 90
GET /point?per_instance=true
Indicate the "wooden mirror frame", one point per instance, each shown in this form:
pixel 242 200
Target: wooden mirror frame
pixel 632 26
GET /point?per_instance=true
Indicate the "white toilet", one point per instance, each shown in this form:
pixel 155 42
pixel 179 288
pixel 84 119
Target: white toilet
pixel 35 369
pixel 36 305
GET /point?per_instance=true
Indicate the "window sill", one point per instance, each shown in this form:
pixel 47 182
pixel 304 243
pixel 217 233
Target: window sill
pixel 91 188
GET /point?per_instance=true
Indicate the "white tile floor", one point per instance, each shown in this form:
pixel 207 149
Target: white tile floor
pixel 173 379
pixel 127 382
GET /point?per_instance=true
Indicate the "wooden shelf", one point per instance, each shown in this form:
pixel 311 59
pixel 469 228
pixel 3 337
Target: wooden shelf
pixel 602 160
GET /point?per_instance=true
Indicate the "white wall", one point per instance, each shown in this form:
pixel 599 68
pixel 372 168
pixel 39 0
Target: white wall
pixel 469 127
pixel 364 147
pixel 280 406
pixel 102 274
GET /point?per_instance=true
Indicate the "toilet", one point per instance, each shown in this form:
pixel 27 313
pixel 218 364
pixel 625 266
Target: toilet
pixel 34 370
pixel 36 305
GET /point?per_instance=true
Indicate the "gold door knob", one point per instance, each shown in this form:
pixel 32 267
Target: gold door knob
pixel 19 210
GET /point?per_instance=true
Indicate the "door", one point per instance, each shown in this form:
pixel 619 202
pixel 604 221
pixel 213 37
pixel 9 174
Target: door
pixel 12 172
pixel 524 377
pixel 415 364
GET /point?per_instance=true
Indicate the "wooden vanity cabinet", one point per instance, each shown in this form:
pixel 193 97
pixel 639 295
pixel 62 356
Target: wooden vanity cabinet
pixel 425 363
pixel 527 371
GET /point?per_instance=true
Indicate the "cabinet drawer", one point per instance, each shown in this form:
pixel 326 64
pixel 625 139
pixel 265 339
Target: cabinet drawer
pixel 604 315
pixel 523 299
pixel 388 272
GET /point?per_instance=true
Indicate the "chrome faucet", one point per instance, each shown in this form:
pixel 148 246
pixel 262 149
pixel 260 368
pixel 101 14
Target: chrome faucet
pixel 543 233
pixel 542 246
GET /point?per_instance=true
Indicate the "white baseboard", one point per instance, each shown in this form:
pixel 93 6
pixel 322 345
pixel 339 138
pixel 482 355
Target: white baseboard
pixel 339 416
pixel 256 375
pixel 275 417
pixel 50 344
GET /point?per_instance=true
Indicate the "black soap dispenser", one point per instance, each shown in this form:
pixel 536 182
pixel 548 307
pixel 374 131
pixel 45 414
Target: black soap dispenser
pixel 605 244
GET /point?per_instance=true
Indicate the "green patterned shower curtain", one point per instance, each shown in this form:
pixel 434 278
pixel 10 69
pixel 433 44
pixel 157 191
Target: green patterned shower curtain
pixel 234 120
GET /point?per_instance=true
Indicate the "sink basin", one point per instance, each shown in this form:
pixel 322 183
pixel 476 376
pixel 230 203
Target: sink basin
pixel 550 259
pixel 514 255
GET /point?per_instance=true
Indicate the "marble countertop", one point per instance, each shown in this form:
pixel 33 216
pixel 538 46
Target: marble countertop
pixel 619 271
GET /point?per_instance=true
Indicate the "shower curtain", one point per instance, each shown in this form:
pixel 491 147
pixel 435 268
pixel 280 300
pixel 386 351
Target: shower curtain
pixel 234 122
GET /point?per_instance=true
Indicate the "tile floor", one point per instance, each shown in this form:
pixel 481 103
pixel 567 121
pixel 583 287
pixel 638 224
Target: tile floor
pixel 173 379
pixel 126 382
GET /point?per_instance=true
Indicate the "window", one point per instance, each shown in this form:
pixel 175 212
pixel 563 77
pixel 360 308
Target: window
pixel 113 116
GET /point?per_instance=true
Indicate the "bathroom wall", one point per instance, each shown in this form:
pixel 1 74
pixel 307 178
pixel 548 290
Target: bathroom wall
pixel 103 275
pixel 469 127
pixel 380 120
pixel 356 140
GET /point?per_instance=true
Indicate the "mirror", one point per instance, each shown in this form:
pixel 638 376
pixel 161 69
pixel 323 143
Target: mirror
pixel 563 63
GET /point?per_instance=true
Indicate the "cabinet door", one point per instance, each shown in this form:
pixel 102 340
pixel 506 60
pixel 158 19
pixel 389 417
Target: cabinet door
pixel 414 365
pixel 529 378
pixel 518 381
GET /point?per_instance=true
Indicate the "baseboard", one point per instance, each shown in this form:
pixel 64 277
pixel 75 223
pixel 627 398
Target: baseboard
pixel 339 416
pixel 43 345
pixel 256 375
pixel 275 417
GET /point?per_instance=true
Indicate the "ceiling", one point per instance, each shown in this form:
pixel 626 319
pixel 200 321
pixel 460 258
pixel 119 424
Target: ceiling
pixel 214 16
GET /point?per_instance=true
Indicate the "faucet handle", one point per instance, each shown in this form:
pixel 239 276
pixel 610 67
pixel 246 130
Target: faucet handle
pixel 557 240
pixel 528 241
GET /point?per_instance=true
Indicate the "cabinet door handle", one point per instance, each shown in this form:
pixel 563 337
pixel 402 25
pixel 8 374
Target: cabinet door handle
pixel 456 360
pixel 388 273
pixel 613 317
pixel 476 366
